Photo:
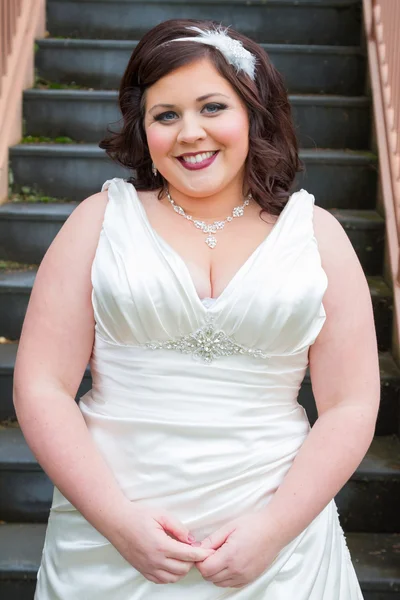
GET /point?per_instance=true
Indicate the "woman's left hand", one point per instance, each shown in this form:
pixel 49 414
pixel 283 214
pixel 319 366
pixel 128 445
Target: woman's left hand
pixel 245 547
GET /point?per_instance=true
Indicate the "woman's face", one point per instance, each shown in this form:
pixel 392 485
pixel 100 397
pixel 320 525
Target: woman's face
pixel 191 111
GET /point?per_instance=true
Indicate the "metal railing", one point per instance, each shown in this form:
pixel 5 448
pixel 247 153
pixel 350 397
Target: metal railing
pixel 382 25
pixel 21 21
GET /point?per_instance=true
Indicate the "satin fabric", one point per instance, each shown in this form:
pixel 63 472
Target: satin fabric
pixel 206 441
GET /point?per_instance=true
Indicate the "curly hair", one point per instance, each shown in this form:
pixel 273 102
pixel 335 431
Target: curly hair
pixel 272 160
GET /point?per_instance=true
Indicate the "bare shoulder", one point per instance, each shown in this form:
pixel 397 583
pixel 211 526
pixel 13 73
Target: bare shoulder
pixel 347 300
pixel 344 363
pixel 338 256
pixel 329 232
pixel 58 330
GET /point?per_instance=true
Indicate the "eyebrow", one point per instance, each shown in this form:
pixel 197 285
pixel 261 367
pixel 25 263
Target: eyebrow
pixel 200 99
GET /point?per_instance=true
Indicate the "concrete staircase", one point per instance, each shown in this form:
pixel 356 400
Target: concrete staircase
pixel 317 46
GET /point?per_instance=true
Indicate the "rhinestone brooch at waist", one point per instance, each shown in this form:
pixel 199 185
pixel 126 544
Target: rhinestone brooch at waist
pixel 207 343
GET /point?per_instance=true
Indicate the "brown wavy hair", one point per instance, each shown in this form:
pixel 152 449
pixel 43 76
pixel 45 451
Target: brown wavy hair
pixel 272 161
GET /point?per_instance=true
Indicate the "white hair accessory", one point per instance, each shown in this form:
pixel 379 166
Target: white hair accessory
pixel 233 50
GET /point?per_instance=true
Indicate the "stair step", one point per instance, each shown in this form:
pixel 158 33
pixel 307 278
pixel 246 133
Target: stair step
pixel 288 21
pixel 8 353
pixel 15 289
pixel 321 121
pixel 389 410
pixel 101 63
pixel 376 559
pixel 368 502
pixel 337 178
pixel 27 230
pixel 388 418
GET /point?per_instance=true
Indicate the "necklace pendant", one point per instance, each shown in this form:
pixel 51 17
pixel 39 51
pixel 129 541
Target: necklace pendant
pixel 211 241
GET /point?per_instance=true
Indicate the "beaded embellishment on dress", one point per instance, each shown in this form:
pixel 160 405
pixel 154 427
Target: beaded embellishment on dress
pixel 207 343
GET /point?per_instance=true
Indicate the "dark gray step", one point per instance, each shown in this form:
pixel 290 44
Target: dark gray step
pixel 15 289
pixel 287 21
pixel 306 69
pixel 27 230
pixel 8 354
pixel 321 121
pixel 389 411
pixel 388 417
pixel 368 502
pixel 376 559
pixel 338 179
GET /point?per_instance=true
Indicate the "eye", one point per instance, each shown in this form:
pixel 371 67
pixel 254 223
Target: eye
pixel 215 108
pixel 162 116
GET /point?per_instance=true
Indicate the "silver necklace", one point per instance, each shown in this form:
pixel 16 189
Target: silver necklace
pixel 211 228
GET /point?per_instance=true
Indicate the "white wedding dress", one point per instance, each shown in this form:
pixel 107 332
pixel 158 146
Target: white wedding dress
pixel 194 406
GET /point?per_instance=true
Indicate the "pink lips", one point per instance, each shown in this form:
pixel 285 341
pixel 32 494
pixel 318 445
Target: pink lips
pixel 196 166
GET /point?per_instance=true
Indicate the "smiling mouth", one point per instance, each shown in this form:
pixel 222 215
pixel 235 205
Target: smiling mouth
pixel 197 158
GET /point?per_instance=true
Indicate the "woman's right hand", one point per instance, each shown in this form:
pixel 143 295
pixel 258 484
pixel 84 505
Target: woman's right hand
pixel 156 544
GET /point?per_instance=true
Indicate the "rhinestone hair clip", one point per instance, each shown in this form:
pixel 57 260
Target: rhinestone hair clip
pixel 233 50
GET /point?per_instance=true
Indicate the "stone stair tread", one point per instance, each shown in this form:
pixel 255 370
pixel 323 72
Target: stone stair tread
pixel 49 211
pixel 324 21
pixel 20 549
pixel 376 557
pixel 112 96
pixel 382 460
pixel 388 366
pixel 45 211
pixel 84 149
pixel 24 280
pixel 56 43
pixel 17 280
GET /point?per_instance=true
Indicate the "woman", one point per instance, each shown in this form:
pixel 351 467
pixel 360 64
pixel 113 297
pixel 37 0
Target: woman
pixel 190 461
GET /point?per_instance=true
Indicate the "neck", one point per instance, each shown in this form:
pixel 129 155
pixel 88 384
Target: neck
pixel 214 207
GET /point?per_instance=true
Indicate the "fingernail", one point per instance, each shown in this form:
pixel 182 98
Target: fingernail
pixel 191 537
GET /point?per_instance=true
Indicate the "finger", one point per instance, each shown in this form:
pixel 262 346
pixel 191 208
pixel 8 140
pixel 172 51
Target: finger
pixel 165 577
pixel 219 537
pixel 212 565
pixel 174 526
pixel 177 567
pixel 186 552
pixel 221 576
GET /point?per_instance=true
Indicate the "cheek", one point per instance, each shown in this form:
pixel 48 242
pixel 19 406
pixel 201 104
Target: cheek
pixel 234 132
pixel 158 140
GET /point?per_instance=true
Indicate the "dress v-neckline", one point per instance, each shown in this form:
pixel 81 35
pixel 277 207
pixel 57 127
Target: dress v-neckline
pixel 241 270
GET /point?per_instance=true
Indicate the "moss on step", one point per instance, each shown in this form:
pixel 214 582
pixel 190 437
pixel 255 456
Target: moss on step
pixel 41 139
pixel 44 84
pixel 7 423
pixel 9 265
pixel 28 194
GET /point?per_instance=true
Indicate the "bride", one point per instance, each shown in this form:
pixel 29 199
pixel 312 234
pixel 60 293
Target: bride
pixel 200 290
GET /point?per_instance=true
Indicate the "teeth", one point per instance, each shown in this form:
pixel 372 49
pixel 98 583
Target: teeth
pixel 198 158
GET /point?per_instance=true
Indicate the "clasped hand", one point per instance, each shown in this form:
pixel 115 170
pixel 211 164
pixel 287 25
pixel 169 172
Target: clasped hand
pixel 162 549
pixel 243 550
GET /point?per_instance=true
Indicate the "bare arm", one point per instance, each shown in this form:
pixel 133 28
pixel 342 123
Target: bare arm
pixel 54 349
pixel 344 369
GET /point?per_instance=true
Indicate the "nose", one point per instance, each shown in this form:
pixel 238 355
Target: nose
pixel 191 130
